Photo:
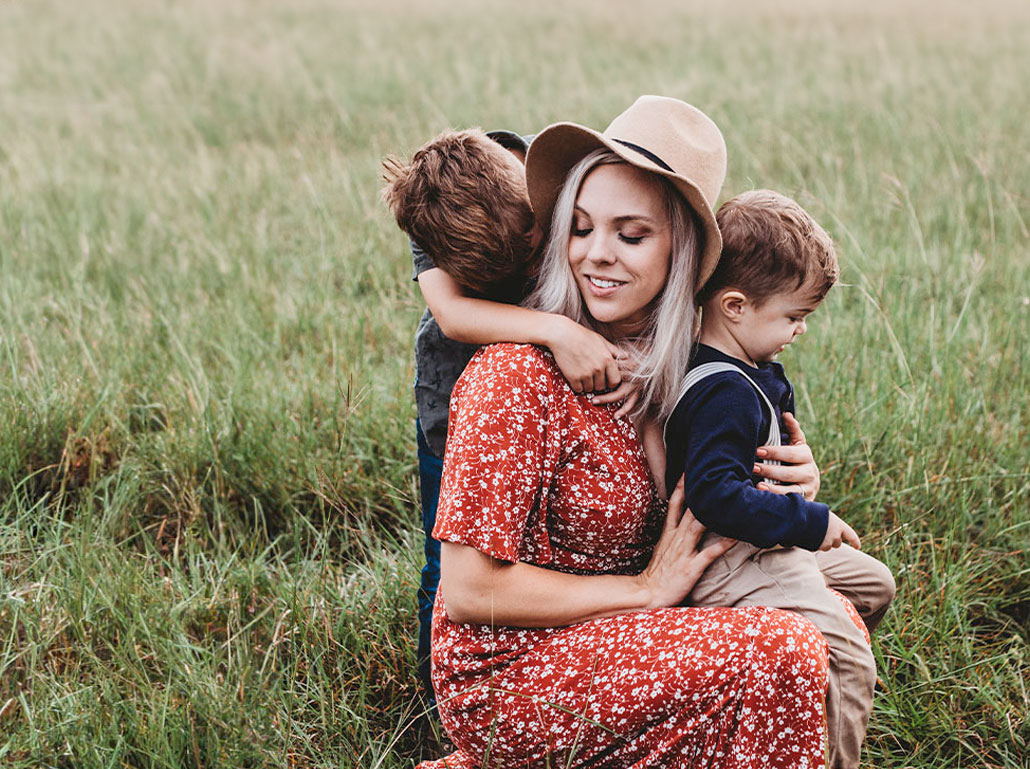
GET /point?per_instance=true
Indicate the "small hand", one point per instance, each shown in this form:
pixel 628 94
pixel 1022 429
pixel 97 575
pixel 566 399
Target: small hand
pixel 838 532
pixel 587 360
pixel 798 473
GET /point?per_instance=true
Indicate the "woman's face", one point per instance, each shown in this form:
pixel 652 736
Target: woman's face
pixel 620 245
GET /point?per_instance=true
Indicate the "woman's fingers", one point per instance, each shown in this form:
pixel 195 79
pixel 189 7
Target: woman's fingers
pixel 678 504
pixel 629 401
pixel 713 550
pixel 798 454
pixel 782 473
pixel 782 489
pixel 614 396
pixel 795 435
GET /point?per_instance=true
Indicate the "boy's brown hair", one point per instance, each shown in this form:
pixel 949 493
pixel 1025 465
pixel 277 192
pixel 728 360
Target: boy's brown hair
pixel 771 245
pixel 464 202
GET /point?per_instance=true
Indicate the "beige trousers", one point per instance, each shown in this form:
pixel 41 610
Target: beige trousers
pixel 796 579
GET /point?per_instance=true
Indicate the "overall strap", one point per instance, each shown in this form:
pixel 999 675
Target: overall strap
pixel 706 370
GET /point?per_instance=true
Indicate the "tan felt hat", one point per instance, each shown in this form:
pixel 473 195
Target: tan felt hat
pixel 658 134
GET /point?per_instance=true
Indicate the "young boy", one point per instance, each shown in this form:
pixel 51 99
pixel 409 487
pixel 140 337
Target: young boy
pixel 462 200
pixel 776 267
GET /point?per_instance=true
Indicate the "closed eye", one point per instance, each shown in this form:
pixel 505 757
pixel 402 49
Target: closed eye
pixel 581 232
pixel 631 240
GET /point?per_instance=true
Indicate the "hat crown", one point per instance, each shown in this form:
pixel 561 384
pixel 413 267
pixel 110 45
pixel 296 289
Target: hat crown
pixel 680 136
pixel 665 136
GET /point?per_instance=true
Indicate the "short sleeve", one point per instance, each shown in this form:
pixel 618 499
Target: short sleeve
pixel 493 489
pixel 421 261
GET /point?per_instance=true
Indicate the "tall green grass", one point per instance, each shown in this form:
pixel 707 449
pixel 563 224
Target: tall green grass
pixel 208 515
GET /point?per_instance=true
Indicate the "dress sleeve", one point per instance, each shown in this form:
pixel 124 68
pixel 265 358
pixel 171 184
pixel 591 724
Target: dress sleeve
pixel 498 459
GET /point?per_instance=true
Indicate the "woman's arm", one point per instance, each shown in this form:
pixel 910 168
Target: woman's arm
pixel 479 589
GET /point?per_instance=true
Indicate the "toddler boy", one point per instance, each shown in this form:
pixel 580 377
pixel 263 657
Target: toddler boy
pixel 462 201
pixel 776 267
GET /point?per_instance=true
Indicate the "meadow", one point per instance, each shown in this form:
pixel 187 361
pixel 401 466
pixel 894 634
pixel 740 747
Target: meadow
pixel 208 501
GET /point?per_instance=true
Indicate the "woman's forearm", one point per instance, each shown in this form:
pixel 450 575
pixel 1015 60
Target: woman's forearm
pixel 479 589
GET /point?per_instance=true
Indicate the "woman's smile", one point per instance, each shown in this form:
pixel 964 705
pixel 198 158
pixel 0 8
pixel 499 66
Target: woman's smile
pixel 604 284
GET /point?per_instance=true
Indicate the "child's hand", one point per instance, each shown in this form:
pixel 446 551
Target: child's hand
pixel 838 532
pixel 587 360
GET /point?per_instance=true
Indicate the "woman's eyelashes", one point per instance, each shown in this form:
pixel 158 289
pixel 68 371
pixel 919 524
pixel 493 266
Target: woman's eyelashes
pixel 632 240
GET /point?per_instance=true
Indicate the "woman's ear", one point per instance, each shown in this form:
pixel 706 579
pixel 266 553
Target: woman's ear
pixel 732 304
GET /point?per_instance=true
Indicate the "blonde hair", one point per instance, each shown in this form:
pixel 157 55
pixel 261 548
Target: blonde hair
pixel 661 353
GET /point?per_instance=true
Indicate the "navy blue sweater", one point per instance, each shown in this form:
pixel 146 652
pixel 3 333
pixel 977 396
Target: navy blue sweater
pixel 711 438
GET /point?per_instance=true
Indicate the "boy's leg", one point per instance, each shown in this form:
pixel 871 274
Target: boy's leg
pixel 789 578
pixel 430 469
pixel 862 579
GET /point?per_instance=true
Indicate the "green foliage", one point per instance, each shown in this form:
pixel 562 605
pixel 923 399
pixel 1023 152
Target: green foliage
pixel 208 546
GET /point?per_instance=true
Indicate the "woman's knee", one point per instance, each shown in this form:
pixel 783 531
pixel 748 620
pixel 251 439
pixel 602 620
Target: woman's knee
pixel 793 644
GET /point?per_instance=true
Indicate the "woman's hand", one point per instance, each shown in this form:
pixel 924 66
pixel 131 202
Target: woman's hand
pixel 798 473
pixel 628 392
pixel 677 564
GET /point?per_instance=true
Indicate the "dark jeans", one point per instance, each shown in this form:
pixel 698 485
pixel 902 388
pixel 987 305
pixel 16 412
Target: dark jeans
pixel 430 468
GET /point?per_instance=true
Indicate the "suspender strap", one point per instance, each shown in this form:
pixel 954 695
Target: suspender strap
pixel 706 370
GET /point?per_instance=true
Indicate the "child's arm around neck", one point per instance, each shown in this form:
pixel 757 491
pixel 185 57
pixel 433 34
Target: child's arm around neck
pixel 586 359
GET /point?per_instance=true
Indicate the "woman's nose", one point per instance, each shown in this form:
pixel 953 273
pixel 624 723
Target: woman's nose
pixel 600 250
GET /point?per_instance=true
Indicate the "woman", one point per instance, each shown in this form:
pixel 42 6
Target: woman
pixel 558 640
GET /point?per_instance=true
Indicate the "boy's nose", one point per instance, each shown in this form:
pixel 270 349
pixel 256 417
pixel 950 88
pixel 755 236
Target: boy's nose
pixel 802 327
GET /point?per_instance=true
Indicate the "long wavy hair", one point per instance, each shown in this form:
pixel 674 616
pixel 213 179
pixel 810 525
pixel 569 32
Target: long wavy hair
pixel 662 351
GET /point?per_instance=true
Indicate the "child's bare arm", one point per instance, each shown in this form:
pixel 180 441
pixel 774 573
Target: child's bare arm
pixel 588 360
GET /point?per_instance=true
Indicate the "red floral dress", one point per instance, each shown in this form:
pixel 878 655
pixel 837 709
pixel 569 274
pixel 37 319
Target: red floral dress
pixel 535 473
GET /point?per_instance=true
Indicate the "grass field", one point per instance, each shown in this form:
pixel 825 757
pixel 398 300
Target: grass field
pixel 207 482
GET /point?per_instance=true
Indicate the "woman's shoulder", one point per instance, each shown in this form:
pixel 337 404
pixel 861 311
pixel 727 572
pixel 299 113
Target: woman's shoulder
pixel 512 364
pixel 509 357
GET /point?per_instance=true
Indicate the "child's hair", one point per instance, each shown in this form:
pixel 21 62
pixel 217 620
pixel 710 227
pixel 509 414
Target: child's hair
pixel 461 199
pixel 771 245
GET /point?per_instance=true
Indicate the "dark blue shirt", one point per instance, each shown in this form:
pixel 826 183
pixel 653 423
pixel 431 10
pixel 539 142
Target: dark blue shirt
pixel 711 438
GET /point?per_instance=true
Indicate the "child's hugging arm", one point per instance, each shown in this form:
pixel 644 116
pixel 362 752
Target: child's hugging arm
pixel 587 360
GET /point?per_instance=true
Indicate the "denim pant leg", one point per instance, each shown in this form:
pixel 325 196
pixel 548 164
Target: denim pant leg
pixel 430 468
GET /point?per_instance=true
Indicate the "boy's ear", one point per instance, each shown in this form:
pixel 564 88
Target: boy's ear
pixel 732 304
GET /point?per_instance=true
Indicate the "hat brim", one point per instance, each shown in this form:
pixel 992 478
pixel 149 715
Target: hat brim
pixel 556 149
